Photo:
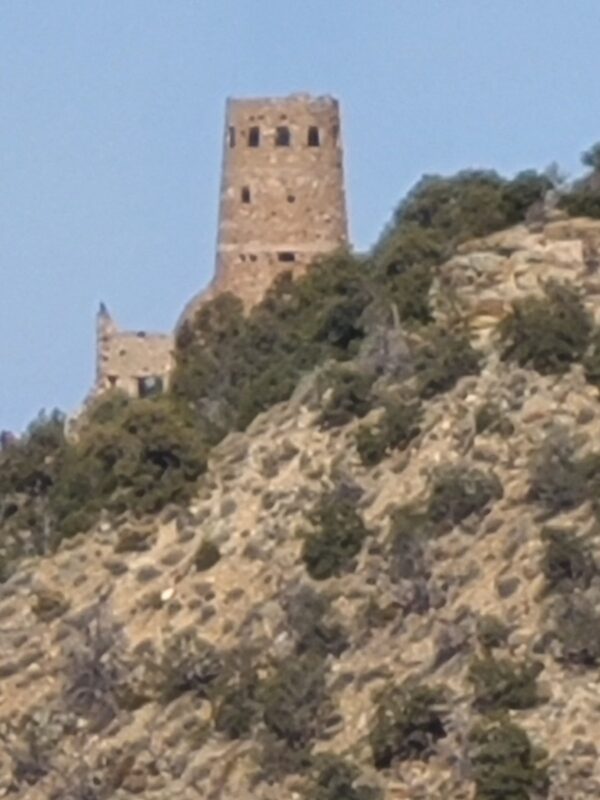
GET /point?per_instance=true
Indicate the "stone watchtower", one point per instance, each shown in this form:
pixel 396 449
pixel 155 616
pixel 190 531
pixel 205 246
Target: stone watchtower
pixel 282 205
pixel 282 194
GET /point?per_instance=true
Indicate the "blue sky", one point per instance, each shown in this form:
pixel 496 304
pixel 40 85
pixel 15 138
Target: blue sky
pixel 111 115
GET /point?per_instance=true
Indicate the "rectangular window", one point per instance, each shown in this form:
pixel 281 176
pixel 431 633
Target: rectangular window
pixel 286 257
pixel 231 136
pixel 314 139
pixel 283 137
pixel 246 196
pixel 254 136
pixel 150 386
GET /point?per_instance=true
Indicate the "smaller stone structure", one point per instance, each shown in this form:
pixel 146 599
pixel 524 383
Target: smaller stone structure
pixel 138 363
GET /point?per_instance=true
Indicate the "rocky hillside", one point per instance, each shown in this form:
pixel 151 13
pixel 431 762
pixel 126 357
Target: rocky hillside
pixel 398 599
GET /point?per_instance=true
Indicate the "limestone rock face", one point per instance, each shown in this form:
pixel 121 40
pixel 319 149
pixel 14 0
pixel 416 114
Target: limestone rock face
pixel 480 284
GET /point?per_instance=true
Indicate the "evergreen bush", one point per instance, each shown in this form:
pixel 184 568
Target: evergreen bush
pixel 408 722
pixel 505 764
pixel 547 333
pixel 336 539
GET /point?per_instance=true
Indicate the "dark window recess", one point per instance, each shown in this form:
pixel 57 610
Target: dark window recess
pixel 283 137
pixel 231 136
pixel 286 256
pixel 246 197
pixel 112 379
pixel 150 386
pixel 254 136
pixel 314 137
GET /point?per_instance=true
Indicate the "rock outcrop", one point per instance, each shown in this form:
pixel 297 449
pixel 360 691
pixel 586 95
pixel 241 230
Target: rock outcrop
pixel 84 632
pixel 480 284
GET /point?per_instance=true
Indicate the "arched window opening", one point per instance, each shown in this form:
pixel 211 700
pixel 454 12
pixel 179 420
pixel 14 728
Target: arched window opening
pixel 254 136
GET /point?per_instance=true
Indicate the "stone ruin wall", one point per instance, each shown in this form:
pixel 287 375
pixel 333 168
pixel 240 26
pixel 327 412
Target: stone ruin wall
pixel 138 363
pixel 282 194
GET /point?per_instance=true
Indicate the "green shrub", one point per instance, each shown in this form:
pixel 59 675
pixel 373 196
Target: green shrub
pixel 467 205
pixel 408 722
pixel 490 419
pixel 577 630
pixel 371 445
pixel 237 708
pixel 294 700
pixel 566 563
pixel 437 215
pixel 349 396
pixel 591 360
pixel 207 555
pixel 500 684
pixel 337 537
pixel 276 760
pixel 505 764
pixel 444 358
pixel 29 472
pixel 231 366
pixel 583 197
pixel 316 630
pixel 395 430
pixel 581 201
pixel 187 664
pixel 558 480
pixel 334 778
pixel 549 333
pixel 458 491
pixel 491 632
pixel 410 530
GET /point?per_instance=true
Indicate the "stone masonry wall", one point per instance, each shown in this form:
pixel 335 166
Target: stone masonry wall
pixel 138 363
pixel 282 193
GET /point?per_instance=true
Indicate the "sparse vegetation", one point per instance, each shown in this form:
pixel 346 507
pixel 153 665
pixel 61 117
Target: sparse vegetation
pixel 294 700
pixel 489 419
pixel 566 562
pixel 348 396
pixel 315 628
pixel 408 722
pixel 398 425
pixel 187 663
pixel 337 536
pixel 335 778
pixel 442 359
pixel 501 684
pixel 131 459
pixel 577 630
pixel 547 333
pixel 558 477
pixel 491 632
pixel 459 491
pixel 506 766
